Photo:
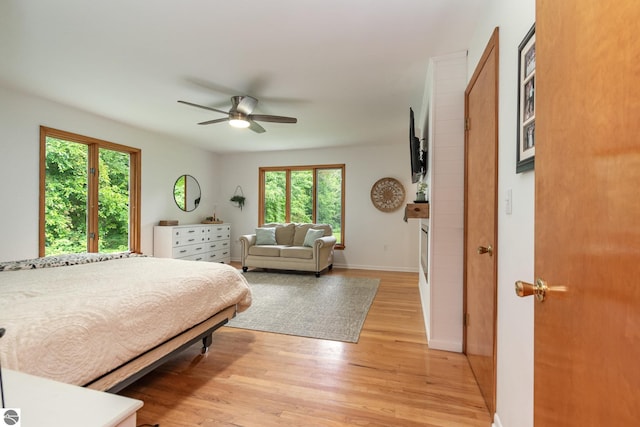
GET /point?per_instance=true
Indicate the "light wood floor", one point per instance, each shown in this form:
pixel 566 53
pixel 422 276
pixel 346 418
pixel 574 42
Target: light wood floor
pixel 389 378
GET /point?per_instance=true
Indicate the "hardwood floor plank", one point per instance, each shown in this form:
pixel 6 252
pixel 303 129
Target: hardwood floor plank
pixel 389 378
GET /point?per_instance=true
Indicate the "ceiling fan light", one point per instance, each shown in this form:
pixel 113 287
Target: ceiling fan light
pixel 239 123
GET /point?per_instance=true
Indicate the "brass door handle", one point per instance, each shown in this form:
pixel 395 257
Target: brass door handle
pixel 540 289
pixel 485 250
pixel 524 289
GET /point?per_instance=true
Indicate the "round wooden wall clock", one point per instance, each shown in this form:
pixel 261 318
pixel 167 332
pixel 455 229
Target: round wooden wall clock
pixel 387 194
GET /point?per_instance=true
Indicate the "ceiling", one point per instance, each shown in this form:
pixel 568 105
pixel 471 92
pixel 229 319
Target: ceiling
pixel 347 69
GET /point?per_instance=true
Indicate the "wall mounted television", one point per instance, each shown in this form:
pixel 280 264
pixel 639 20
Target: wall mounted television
pixel 418 155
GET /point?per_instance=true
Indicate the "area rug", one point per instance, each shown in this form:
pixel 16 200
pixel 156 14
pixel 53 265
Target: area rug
pixel 326 307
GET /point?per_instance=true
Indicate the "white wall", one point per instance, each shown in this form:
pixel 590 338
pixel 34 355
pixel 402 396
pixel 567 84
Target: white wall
pixel 442 293
pixel 373 239
pixel 163 160
pixel 515 231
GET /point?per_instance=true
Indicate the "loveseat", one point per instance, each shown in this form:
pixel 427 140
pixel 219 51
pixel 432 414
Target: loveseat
pixel 290 246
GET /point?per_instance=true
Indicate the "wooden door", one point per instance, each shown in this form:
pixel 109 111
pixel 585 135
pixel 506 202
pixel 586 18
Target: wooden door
pixel 481 180
pixel 587 214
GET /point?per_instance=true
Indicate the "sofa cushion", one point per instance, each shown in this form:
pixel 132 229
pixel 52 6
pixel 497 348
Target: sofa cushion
pixel 265 250
pixel 312 235
pixel 300 252
pixel 284 232
pixel 266 236
pixel 328 231
pixel 301 233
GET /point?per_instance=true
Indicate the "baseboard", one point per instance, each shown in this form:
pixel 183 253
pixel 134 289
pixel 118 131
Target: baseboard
pixel 376 267
pixel 452 346
pixel 363 267
pixel 496 421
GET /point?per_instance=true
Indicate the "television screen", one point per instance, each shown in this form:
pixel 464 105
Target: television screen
pixel 417 162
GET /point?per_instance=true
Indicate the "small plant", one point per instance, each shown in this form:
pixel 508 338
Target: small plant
pixel 422 191
pixel 239 200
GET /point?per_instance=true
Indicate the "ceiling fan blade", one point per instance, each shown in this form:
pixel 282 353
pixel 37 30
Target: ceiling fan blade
pixel 256 127
pixel 203 107
pixel 210 122
pixel 273 119
pixel 246 104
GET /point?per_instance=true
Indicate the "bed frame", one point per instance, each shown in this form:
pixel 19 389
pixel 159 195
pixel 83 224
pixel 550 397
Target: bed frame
pixel 131 371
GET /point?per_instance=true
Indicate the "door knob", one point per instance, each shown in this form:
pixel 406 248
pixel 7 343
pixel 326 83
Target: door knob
pixel 524 289
pixel 485 250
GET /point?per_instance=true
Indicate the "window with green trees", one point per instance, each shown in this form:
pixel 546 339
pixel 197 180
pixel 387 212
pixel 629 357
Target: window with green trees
pixel 90 195
pixel 303 194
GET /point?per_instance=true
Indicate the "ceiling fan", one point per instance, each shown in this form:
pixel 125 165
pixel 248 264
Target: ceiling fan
pixel 240 114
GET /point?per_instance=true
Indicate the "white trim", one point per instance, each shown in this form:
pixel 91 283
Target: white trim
pixel 365 267
pixel 496 421
pixel 445 345
pixel 377 267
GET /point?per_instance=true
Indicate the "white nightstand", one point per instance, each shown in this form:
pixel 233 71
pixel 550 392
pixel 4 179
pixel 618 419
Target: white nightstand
pixel 45 402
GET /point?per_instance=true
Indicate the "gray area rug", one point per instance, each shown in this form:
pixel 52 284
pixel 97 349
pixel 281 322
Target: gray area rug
pixel 328 307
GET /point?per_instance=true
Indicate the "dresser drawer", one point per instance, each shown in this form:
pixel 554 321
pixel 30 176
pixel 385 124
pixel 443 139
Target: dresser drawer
pixel 223 234
pixel 222 255
pixel 188 231
pixel 197 257
pixel 183 251
pixel 180 252
pixel 219 244
pixel 188 240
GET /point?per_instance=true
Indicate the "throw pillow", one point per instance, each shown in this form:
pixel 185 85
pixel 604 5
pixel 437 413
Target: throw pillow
pixel 312 235
pixel 266 236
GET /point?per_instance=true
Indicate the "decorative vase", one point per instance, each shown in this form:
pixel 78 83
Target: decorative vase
pixel 420 197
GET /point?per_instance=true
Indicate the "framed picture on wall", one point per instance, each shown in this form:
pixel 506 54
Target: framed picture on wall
pixel 526 134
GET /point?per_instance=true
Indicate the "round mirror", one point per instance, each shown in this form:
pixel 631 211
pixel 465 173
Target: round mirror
pixel 186 193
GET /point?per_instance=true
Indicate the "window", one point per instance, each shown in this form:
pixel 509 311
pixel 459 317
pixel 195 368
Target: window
pixel 89 194
pixel 303 194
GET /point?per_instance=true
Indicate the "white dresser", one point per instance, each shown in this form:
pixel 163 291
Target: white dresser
pixel 197 242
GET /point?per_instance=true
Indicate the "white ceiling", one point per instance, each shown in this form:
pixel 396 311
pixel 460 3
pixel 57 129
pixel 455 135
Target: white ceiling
pixel 347 69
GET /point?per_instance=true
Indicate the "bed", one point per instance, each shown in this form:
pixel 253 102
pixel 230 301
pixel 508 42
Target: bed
pixel 103 321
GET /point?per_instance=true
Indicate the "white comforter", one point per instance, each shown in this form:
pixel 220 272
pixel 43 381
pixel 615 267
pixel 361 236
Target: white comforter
pixel 76 323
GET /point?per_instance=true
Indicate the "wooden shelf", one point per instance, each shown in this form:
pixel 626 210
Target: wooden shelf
pixel 416 210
